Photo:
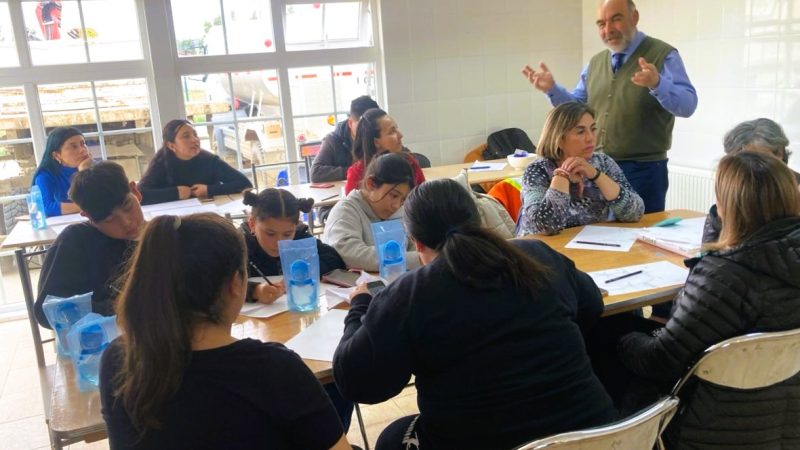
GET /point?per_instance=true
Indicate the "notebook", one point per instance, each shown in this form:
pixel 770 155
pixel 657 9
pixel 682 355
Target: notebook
pixel 684 238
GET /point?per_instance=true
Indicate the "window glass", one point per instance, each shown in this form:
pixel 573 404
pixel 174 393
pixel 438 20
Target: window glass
pixel 244 128
pixel 325 25
pixel 122 105
pixel 351 81
pixel 112 30
pixel 8 51
pixel 311 90
pixel 55 34
pixel 199 29
pixel 249 26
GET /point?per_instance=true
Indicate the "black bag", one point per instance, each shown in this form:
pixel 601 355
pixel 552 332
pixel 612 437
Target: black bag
pixel 503 143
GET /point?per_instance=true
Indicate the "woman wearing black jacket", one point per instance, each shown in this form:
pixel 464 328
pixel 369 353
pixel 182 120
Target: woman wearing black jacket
pixel 748 282
pixel 181 169
pixel 487 326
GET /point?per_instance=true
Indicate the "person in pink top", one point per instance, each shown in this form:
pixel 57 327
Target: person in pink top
pixel 377 133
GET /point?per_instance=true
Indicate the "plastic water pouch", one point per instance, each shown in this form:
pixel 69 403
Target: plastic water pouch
pixel 300 263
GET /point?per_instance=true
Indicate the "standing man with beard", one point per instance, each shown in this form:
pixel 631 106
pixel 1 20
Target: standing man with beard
pixel 637 87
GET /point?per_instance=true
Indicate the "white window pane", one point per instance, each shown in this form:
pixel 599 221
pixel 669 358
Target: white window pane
pixel 198 27
pixel 248 24
pixel 311 90
pixel 303 24
pixel 68 105
pixel 342 21
pixel 52 35
pixel 308 129
pixel 133 151
pixel 8 51
pixel 257 93
pixel 112 29
pixel 326 25
pixel 351 81
pixel 17 160
pixel 123 101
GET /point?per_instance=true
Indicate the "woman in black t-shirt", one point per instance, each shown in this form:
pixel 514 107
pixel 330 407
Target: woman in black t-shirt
pixel 489 327
pixel 177 379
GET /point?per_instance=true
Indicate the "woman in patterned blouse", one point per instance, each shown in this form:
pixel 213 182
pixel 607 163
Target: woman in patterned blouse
pixel 571 185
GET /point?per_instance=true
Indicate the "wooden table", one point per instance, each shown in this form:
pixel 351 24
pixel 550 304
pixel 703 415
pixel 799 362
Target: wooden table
pixel 640 253
pixel 476 177
pixel 22 235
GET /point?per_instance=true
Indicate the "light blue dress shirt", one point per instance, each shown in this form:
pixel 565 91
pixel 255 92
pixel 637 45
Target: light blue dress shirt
pixel 674 91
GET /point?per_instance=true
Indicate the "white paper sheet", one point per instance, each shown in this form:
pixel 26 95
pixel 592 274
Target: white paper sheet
pixel 483 166
pixel 171 205
pixel 233 207
pixel 610 239
pixel 262 311
pixel 66 219
pixel 182 211
pixel 319 340
pixel 654 275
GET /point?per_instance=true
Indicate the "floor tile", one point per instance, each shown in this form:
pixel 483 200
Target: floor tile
pixel 24 434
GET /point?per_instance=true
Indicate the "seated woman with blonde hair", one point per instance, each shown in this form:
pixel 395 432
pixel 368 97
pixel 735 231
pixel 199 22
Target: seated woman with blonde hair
pixel 573 185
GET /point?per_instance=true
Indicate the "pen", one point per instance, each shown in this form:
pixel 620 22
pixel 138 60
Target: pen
pixel 624 276
pixel 258 271
pixel 478 167
pixel 329 198
pixel 598 243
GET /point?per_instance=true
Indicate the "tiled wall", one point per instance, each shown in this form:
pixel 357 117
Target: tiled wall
pixel 452 67
pixel 743 56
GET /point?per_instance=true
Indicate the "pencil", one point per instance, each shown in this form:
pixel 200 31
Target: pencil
pixel 258 271
pixel 598 243
pixel 624 276
pixel 478 167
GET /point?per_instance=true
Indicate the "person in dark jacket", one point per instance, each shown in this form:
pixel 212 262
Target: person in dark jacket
pixel 495 347
pixel 748 282
pixel 759 135
pixel 336 153
pixel 274 217
pixel 89 256
pixel 181 169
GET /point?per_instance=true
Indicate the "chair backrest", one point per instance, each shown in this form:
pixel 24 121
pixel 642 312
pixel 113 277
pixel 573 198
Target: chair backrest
pixel 752 361
pixel 23 259
pixel 637 432
pixel 255 168
pixel 503 143
pixel 422 160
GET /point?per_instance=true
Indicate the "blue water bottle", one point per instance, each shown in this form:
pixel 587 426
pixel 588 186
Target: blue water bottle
pixel 93 341
pixel 36 208
pixel 393 263
pixel 302 289
pixel 283 178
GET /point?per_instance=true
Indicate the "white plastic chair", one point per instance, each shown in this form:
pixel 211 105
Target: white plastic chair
pixel 638 432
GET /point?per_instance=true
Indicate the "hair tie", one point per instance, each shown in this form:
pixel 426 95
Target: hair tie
pixel 176 223
pixel 451 231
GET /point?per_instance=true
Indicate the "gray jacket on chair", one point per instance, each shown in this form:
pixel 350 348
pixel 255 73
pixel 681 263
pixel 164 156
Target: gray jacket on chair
pixel 753 287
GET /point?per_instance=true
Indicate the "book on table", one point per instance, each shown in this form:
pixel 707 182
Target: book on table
pixel 684 238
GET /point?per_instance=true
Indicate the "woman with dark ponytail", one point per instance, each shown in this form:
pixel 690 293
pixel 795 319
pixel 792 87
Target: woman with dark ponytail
pixel 275 216
pixel 490 328
pixel 177 379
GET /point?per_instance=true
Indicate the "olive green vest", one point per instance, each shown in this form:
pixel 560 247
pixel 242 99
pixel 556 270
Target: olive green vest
pixel 631 124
